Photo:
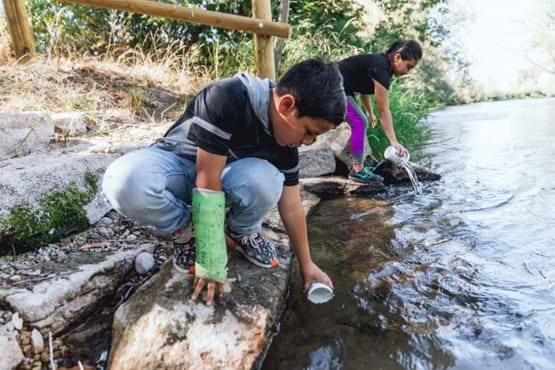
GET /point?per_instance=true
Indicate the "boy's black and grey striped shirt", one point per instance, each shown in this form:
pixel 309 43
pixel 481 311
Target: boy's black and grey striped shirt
pixel 221 120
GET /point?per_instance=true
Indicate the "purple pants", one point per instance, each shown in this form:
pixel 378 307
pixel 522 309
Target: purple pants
pixel 357 120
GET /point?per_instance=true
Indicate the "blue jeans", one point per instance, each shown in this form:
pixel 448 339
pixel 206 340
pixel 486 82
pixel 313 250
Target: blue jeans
pixel 155 186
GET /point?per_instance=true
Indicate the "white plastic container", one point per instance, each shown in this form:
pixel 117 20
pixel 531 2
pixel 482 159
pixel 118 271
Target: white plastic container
pixel 391 155
pixel 319 293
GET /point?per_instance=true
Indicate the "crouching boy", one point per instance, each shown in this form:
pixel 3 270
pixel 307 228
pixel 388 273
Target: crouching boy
pixel 235 148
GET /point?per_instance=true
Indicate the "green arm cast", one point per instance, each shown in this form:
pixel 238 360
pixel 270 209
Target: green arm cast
pixel 208 220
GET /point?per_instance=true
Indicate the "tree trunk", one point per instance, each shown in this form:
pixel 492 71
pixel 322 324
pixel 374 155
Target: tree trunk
pixel 283 18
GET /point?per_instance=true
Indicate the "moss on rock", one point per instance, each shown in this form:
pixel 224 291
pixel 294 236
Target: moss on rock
pixel 58 214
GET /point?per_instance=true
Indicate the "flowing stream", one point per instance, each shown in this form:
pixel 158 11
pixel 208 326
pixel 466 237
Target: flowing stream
pixel 416 185
pixel 460 276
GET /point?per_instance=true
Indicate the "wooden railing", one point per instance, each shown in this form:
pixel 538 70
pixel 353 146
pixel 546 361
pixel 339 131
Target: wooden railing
pixel 260 24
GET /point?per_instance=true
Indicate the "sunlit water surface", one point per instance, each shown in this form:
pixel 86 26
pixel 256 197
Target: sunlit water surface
pixel 458 277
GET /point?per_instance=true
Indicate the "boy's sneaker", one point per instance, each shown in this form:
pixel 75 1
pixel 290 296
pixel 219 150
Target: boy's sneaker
pixel 256 248
pixel 365 175
pixel 184 251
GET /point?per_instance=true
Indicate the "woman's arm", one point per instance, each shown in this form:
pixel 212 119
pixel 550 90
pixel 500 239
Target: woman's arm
pixel 382 101
pixel 367 103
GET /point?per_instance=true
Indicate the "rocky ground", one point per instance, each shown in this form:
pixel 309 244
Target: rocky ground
pixel 56 262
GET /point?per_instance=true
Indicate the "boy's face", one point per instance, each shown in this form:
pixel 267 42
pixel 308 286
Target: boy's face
pixel 291 130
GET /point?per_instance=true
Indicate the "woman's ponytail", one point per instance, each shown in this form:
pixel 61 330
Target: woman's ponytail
pixel 409 49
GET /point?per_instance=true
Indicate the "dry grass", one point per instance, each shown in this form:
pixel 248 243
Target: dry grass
pixel 123 86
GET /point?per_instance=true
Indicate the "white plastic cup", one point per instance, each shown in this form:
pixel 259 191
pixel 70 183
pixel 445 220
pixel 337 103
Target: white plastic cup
pixel 391 155
pixel 319 293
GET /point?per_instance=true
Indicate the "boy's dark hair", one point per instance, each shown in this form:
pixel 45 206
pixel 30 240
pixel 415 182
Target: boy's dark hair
pixel 318 89
pixel 409 49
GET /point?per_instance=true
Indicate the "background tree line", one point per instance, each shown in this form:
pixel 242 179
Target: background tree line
pixel 333 29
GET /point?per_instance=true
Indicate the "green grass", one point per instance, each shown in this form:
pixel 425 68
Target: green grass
pixel 408 111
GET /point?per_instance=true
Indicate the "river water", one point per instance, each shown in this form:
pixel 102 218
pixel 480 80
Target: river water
pixel 458 277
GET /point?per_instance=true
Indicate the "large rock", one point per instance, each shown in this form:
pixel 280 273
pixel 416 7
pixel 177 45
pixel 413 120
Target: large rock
pixel 335 140
pixel 11 353
pixel 56 304
pixel 318 159
pixel 48 196
pixel 23 133
pixel 25 181
pixel 160 327
pixel 315 162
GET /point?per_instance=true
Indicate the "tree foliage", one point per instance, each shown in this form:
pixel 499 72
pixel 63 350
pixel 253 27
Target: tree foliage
pixel 409 20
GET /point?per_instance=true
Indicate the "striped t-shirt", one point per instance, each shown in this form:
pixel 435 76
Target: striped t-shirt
pixel 221 120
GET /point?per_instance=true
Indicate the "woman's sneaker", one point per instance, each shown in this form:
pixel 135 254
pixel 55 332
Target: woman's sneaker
pixel 365 176
pixel 184 251
pixel 256 248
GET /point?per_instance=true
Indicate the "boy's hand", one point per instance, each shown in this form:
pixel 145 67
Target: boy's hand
pixel 211 287
pixel 312 273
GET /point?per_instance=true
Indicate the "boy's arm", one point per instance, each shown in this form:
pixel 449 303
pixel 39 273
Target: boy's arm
pixel 292 214
pixel 366 101
pixel 382 101
pixel 209 169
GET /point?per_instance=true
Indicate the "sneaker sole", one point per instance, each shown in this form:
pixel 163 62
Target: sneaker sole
pixel 360 181
pixel 190 271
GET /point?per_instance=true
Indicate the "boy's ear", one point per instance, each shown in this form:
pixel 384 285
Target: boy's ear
pixel 286 104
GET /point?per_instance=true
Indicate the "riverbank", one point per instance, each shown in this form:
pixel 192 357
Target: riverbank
pixel 67 257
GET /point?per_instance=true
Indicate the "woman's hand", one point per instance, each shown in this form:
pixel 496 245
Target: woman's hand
pixel 211 288
pixel 373 120
pixel 401 150
pixel 312 273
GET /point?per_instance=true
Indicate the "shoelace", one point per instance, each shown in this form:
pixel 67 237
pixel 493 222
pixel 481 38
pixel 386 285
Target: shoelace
pixel 253 239
pixel 367 170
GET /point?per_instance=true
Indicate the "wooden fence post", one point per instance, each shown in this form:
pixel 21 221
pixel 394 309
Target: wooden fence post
pixel 20 29
pixel 263 45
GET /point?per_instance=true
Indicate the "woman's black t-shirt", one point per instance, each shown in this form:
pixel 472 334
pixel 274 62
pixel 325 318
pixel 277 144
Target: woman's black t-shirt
pixel 359 72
